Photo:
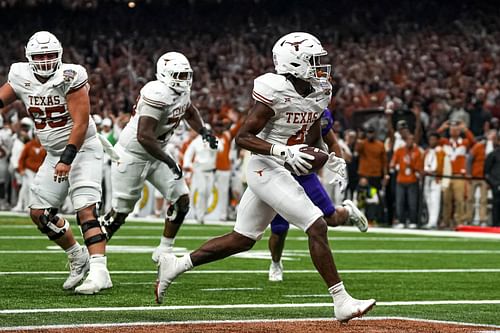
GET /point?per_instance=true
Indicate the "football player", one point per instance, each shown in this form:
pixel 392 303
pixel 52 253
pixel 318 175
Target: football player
pixel 161 106
pixel 317 193
pixel 56 96
pixel 285 118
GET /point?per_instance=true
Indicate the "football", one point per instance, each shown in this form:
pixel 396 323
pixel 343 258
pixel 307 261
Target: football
pixel 320 158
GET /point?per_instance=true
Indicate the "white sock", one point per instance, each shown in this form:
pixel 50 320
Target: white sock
pixel 338 291
pixel 166 242
pixel 73 249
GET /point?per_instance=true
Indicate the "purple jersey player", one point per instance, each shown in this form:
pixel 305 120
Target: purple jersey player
pixel 318 195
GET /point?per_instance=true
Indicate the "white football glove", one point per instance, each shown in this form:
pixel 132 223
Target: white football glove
pixel 335 164
pixel 340 179
pixel 294 157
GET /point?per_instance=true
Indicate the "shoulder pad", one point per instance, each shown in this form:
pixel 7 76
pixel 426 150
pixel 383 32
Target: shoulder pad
pixel 17 71
pixel 267 86
pixel 156 94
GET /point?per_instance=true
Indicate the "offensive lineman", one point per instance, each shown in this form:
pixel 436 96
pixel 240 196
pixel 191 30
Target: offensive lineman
pixel 287 113
pixel 162 105
pixel 56 97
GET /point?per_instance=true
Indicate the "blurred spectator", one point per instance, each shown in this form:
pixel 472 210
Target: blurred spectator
pixel 434 164
pixel 492 175
pixel 479 116
pixel 352 164
pixel 407 161
pixel 367 199
pixel 31 159
pixel 372 161
pixel 19 139
pixel 5 148
pixel 475 168
pixel 456 148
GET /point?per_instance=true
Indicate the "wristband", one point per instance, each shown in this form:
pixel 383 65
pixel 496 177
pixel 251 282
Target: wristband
pixel 68 154
pixel 278 150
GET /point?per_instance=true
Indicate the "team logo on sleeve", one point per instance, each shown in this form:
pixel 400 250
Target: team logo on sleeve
pixel 69 75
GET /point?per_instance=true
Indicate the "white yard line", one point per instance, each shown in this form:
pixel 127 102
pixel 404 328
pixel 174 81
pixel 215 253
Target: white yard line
pixel 238 306
pixel 290 238
pixel 229 289
pixel 303 271
pixel 265 254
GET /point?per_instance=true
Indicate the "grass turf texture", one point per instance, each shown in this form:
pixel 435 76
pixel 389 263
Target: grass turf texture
pixel 45 291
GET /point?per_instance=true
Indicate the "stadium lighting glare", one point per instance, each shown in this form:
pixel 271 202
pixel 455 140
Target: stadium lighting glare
pixel 131 4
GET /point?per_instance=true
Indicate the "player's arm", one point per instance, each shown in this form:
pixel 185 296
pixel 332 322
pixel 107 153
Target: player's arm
pixel 333 145
pixel 7 95
pixel 314 133
pixel 78 103
pixel 247 138
pixel 194 120
pixel 146 137
pixel 79 109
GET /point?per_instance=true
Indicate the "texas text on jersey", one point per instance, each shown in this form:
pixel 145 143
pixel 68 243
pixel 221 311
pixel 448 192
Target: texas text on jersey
pixel 46 102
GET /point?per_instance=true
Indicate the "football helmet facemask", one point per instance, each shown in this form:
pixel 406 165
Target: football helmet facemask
pixel 174 70
pixel 44 43
pixel 299 54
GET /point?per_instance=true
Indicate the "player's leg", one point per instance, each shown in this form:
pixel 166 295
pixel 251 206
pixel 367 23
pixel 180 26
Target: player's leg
pixel 175 191
pixel 46 194
pixel 279 230
pixel 334 216
pixel 127 181
pixel 289 200
pixel 85 192
pixel 252 219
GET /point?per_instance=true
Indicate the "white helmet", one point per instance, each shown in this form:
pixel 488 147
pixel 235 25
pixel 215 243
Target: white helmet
pixel 174 70
pixel 298 53
pixel 43 42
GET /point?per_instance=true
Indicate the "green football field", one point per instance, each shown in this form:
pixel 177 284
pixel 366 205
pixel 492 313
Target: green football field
pixel 426 275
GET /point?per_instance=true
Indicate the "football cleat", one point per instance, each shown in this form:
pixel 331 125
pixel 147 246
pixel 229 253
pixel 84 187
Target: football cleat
pixel 78 267
pixel 98 278
pixel 276 271
pixel 356 217
pixel 348 308
pixel 168 269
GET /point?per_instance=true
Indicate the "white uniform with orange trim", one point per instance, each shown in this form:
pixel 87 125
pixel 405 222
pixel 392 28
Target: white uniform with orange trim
pixel 47 106
pixel 136 165
pixel 271 187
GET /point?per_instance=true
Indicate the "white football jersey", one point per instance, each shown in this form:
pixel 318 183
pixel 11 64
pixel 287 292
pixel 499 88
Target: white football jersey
pixel 293 114
pixel 46 102
pixel 162 103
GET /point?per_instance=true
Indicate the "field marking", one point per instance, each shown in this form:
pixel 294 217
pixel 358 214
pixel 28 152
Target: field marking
pixel 229 289
pixel 290 238
pixel 299 271
pixel 257 254
pixel 239 306
pixel 244 321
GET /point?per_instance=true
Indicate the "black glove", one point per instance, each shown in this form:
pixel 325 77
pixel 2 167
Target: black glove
pixel 176 169
pixel 207 136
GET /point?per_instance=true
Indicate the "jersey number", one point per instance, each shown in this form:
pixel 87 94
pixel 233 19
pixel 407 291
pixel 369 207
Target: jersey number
pixel 298 137
pixel 42 121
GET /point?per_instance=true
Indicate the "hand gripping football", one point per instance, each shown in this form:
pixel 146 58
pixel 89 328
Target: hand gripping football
pixel 320 158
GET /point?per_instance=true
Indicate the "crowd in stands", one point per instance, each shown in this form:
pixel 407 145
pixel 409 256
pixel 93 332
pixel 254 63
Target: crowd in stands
pixel 437 66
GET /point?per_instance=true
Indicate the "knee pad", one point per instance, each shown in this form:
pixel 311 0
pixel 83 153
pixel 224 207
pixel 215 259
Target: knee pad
pixel 112 221
pixel 47 224
pixel 279 225
pixel 178 211
pixel 92 224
